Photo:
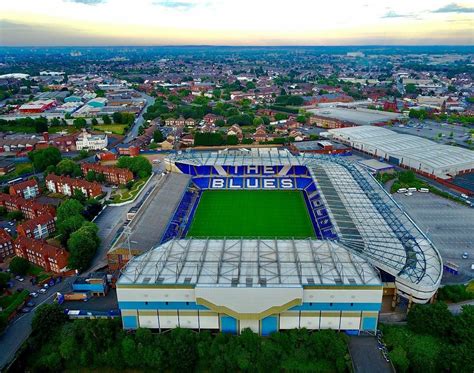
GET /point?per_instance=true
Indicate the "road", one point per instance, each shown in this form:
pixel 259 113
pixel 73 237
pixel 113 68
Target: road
pixel 133 133
pixel 19 330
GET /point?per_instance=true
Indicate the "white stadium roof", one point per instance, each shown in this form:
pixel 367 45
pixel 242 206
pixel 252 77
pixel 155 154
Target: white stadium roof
pixel 250 263
pixel 367 220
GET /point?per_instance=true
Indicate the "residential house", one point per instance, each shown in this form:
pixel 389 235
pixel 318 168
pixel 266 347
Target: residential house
pixel 235 130
pixel 25 189
pixel 187 140
pixel 260 134
pixel 29 208
pixel 112 174
pixel 67 185
pixel 6 245
pixel 37 228
pixel 49 257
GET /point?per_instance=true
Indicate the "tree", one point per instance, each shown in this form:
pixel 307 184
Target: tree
pixel 45 157
pixel 117 117
pixel 257 121
pixel 431 319
pixel 158 136
pixel 281 116
pixel 47 319
pixel 41 125
pixel 65 227
pixel 301 119
pixel 19 266
pixel 232 140
pixel 69 168
pixel 91 175
pixel 68 208
pixel 82 246
pixel 79 195
pixel 220 122
pixel 16 215
pixel 94 122
pixel 399 359
pixel 4 278
pixel 106 119
pixel 79 123
pixel 140 166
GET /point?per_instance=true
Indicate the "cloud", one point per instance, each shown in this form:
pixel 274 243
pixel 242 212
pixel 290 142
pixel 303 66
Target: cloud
pixel 88 2
pixel 392 14
pixel 175 4
pixel 454 8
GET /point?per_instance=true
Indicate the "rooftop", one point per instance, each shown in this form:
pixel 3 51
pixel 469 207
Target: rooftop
pixel 249 263
pixel 357 116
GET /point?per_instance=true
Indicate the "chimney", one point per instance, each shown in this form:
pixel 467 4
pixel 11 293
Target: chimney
pixel 46 136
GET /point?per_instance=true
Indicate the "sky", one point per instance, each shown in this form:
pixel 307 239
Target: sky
pixel 235 22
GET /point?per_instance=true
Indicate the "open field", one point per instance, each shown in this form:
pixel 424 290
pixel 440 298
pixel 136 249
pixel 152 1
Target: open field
pixel 252 213
pixel 117 129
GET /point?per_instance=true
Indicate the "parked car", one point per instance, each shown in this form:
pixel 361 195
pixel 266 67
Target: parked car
pixel 30 304
pixel 43 290
pixel 34 294
pixel 465 255
pixel 19 278
pixel 26 309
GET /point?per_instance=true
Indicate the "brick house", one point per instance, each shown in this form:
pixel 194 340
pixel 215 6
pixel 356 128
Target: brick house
pixel 30 209
pixel 6 245
pixel 113 175
pixel 235 130
pixel 48 257
pixel 37 228
pixel 260 134
pixel 67 185
pixel 26 189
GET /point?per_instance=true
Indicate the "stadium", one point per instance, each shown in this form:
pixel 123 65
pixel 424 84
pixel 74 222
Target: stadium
pixel 268 240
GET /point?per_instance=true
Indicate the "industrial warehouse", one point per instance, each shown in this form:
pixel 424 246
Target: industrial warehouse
pixel 419 154
pixel 364 252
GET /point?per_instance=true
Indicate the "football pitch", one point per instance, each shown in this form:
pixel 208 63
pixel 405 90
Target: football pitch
pixel 251 213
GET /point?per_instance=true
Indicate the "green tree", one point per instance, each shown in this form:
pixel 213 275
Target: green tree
pixel 399 359
pixel 432 319
pixel 79 123
pixel 68 208
pixel 82 246
pixel 140 166
pixel 158 136
pixel 106 119
pixel 117 117
pixel 232 140
pixel 47 319
pixel 91 175
pixel 410 88
pixel 69 168
pixel 45 157
pixel 4 278
pixel 94 122
pixel 65 227
pixel 79 195
pixel 19 266
pixel 16 215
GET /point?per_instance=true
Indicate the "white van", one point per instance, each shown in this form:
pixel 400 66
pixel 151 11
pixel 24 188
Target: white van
pixel 412 189
pixel 464 196
pixel 424 190
pixel 402 190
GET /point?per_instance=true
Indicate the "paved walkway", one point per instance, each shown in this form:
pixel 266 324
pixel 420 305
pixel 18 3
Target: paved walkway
pixel 366 357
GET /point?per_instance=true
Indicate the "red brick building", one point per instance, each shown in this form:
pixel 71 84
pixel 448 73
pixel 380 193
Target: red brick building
pixel 48 257
pixel 30 209
pixel 37 228
pixel 113 175
pixel 67 185
pixel 6 245
pixel 25 189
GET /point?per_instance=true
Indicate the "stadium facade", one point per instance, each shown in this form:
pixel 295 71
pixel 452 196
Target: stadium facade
pixel 364 246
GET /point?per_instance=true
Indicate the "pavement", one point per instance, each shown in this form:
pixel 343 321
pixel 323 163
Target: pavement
pixel 456 308
pixel 448 224
pixel 366 357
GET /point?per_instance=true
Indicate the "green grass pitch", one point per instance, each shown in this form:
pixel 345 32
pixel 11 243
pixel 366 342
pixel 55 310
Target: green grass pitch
pixel 252 213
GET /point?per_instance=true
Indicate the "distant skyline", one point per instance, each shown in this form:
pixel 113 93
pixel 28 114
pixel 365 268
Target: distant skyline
pixel 235 22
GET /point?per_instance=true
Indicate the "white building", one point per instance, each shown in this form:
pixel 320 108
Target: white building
pixel 90 141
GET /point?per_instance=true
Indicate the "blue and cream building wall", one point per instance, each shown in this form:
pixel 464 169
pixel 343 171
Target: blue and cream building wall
pixel 264 310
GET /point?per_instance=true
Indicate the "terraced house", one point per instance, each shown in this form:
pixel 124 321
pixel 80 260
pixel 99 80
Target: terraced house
pixel 113 175
pixel 67 185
